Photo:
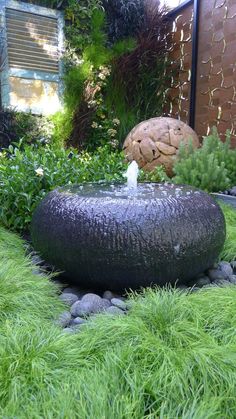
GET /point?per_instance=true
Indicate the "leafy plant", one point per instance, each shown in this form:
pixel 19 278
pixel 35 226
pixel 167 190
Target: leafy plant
pixel 78 15
pixel 156 175
pixel 211 167
pixel 25 128
pixel 27 175
pixel 86 81
pixel 134 86
pixel 124 18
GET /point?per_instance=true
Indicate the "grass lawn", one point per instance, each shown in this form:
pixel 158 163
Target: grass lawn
pixel 172 356
pixel 229 251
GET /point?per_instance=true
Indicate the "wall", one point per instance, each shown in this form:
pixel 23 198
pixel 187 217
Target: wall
pixel 216 68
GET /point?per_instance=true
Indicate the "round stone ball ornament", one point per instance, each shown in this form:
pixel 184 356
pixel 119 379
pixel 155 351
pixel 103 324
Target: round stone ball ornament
pixel 156 142
pixel 107 237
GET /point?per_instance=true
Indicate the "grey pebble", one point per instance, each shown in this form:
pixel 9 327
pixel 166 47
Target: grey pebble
pixel 78 320
pixel 90 304
pixel 114 310
pixel 232 191
pixel 108 295
pixel 91 297
pixel 68 298
pixel 232 279
pixel 36 271
pixel 226 268
pixel 201 282
pixel 68 330
pixel 75 290
pixel 233 264
pixel 64 319
pixel 36 260
pixel 73 329
pixel 119 303
pixel 216 274
pixel 78 310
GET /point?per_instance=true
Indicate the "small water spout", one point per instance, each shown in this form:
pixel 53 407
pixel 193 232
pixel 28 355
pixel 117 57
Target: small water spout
pixel 132 175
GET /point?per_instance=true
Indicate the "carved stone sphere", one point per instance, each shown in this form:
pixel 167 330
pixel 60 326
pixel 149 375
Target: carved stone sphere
pixel 156 142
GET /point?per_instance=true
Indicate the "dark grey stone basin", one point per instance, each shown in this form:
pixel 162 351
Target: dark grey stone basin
pixel 105 237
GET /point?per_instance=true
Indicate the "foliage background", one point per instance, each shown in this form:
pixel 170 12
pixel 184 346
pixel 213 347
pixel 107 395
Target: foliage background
pixel 130 59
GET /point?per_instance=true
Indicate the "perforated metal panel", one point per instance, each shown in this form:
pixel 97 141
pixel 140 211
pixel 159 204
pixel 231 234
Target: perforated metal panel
pixel 32 41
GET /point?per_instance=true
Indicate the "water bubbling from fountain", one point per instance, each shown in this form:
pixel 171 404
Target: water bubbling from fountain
pixel 132 175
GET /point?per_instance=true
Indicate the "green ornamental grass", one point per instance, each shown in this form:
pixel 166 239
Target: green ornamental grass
pixel 172 356
pixel 229 251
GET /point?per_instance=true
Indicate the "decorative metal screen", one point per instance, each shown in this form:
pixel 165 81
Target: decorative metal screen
pixel 216 70
pixel 180 56
pixel 216 67
pixel 32 41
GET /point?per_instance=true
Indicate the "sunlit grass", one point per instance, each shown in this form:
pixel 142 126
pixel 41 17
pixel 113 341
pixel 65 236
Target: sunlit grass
pixel 229 250
pixel 172 356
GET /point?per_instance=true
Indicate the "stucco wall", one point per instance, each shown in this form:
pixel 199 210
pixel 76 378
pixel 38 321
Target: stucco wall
pixel 40 96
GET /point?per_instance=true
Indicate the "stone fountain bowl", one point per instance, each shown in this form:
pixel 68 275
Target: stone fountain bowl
pixel 106 237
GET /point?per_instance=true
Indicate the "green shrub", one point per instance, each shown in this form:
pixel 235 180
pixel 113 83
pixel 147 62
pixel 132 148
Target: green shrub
pixel 25 128
pixel 211 167
pixel 27 175
pixel 156 175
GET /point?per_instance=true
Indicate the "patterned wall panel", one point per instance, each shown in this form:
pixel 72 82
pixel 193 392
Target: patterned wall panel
pixel 180 55
pixel 216 70
pixel 216 80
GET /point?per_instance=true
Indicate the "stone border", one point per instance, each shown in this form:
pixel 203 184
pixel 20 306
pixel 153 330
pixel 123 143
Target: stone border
pixel 227 199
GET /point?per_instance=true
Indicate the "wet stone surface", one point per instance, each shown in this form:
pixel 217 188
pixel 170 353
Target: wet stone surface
pixel 83 304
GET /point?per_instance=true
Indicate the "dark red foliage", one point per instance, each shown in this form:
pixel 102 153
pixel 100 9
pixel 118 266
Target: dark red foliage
pixel 152 43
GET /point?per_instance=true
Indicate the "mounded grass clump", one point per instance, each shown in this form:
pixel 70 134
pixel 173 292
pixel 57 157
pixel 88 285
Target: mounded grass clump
pixel 229 251
pixel 172 356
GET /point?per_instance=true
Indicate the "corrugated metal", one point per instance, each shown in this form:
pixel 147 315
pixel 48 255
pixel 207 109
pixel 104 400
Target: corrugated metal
pixel 32 41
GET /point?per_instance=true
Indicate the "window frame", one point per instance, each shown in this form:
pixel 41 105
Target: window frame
pixel 6 71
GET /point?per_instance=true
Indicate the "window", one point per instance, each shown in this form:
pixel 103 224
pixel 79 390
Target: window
pixel 32 71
